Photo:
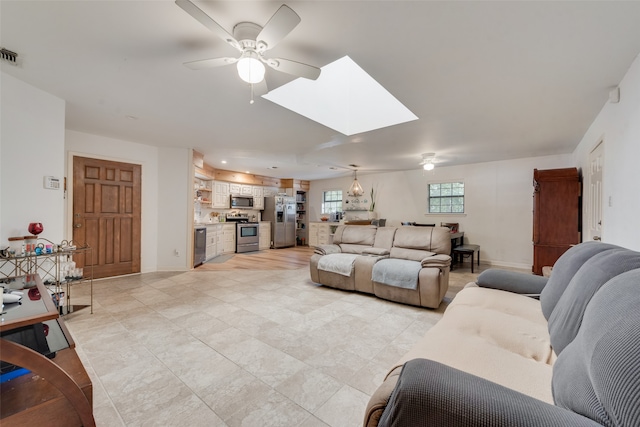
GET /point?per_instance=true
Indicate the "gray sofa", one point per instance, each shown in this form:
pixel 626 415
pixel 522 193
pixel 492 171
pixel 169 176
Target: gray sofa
pixel 502 358
pixel 409 265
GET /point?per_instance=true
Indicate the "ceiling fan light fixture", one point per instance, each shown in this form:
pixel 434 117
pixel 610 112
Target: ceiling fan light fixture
pixel 356 189
pixel 250 68
pixel 428 161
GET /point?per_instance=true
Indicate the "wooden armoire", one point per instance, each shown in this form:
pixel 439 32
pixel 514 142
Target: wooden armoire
pixel 556 214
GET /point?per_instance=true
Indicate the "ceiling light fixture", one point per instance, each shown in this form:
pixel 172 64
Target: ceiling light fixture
pixel 250 68
pixel 428 161
pixel 356 189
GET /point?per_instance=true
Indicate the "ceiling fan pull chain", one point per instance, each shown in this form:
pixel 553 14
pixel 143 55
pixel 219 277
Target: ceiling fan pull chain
pixel 251 101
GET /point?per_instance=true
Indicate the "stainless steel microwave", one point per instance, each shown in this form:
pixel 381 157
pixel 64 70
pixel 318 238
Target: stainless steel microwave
pixel 241 202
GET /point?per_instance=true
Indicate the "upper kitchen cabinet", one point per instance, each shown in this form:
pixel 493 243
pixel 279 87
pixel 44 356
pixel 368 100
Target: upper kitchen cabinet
pixel 220 195
pixel 234 188
pixel 258 198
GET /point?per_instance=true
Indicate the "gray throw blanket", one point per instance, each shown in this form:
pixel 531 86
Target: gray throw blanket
pixel 337 263
pixel 400 273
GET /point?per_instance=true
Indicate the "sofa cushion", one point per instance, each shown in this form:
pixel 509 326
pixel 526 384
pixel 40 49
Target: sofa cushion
pixel 432 394
pixel 355 235
pixel 564 269
pixel 566 318
pixel 400 273
pixel 429 239
pixel 598 373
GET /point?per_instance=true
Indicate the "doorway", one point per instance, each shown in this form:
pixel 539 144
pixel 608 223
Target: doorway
pixel 594 203
pixel 106 214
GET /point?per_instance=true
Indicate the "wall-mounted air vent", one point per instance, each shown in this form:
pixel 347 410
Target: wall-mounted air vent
pixel 8 56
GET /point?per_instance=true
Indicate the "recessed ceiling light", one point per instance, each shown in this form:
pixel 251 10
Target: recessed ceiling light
pixel 224 162
pixel 247 171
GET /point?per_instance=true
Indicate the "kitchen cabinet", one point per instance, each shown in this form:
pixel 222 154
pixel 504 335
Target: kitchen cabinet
pixel 229 238
pixel 246 190
pixel 219 240
pixel 234 188
pixel 212 249
pixel 258 198
pixel 556 214
pixel 321 233
pixel 265 235
pixel 220 195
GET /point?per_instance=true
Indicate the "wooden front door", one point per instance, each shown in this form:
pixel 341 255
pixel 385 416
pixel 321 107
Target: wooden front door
pixel 106 214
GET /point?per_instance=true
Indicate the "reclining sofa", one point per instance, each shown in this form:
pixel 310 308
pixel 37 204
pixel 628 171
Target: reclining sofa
pixel 500 357
pixel 409 265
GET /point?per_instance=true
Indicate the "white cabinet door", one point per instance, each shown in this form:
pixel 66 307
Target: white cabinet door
pixel 211 241
pixel 246 190
pixel 234 188
pixel 220 240
pixel 258 198
pixel 313 234
pixel 323 234
pixel 220 195
pixel 265 235
pixel 229 238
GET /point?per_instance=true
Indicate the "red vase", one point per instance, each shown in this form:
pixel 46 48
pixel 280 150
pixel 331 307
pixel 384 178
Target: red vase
pixel 35 228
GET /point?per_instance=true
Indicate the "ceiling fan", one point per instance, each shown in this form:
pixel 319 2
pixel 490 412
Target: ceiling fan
pixel 253 41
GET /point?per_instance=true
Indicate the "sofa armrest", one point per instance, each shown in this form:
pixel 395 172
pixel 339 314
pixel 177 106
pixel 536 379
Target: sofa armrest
pixel 511 281
pixel 327 249
pixel 438 261
pixel 429 393
pixel 376 251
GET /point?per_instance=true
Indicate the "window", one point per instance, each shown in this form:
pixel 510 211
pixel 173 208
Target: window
pixel 446 197
pixel 331 201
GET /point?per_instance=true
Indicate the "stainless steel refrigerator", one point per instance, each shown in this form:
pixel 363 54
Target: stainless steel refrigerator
pixel 281 211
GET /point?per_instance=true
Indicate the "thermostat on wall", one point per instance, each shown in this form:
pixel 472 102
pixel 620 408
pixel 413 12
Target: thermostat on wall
pixel 51 183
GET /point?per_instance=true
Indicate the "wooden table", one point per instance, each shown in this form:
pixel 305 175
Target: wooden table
pixel 58 391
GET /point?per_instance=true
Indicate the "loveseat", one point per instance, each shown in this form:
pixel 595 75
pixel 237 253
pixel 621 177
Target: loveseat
pixel 405 264
pixel 505 358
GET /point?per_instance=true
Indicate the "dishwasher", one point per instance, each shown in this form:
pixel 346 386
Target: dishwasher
pixel 199 245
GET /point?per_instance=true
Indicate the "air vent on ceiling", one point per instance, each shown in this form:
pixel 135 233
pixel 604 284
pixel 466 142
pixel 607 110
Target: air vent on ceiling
pixel 9 56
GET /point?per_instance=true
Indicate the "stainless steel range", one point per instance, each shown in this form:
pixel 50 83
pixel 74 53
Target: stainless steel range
pixel 247 233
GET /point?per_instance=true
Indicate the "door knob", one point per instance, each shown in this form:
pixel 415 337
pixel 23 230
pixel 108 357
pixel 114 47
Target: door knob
pixel 596 238
pixel 77 225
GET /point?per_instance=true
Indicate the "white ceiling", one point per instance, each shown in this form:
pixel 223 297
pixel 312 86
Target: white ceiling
pixel 488 80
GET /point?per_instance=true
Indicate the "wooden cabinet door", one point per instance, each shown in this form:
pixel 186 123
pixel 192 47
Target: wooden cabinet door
pixel 106 215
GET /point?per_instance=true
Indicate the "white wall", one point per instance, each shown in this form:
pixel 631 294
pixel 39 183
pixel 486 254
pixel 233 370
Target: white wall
pixel 100 147
pixel 618 125
pixel 498 202
pixel 31 147
pixel 175 235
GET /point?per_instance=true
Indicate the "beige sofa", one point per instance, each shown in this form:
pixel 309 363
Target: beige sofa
pixel 499 357
pixel 409 265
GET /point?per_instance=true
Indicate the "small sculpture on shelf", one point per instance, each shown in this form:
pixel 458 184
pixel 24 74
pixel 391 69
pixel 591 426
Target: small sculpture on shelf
pixel 35 228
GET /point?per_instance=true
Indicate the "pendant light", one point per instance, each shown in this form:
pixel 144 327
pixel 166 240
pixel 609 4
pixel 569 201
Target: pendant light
pixel 356 188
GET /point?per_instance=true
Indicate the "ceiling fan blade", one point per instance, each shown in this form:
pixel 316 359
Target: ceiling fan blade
pixel 295 68
pixel 209 63
pixel 208 22
pixel 281 23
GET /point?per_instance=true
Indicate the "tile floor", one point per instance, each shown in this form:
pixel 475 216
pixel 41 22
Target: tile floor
pixel 239 348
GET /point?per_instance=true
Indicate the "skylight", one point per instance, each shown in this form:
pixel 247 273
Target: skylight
pixel 344 98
